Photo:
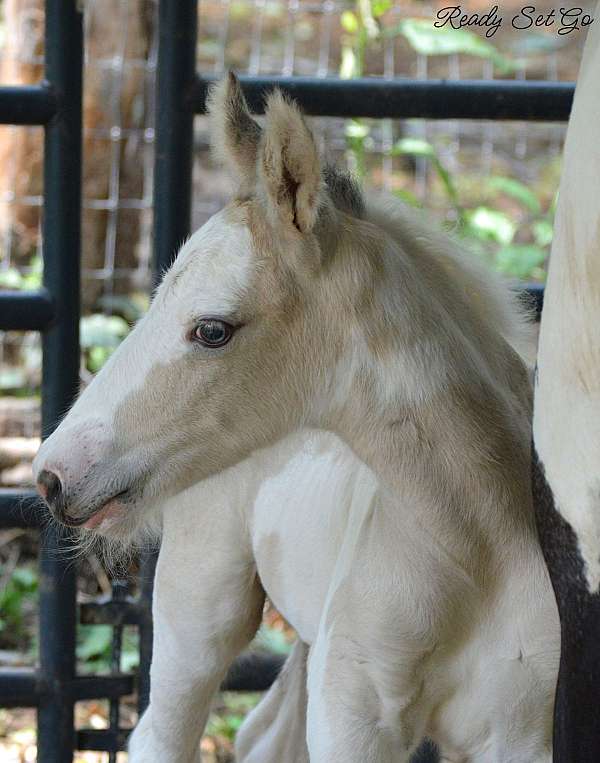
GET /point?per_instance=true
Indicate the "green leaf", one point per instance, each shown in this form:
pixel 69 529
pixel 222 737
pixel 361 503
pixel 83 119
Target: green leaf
pixel 97 357
pixel 419 147
pixel 379 7
pixel 272 640
pixel 516 190
pixel 407 197
pixel 349 64
pixel 350 22
pixel 354 128
pixel 95 641
pixel 489 224
pixel 25 578
pixel 102 330
pixel 542 232
pixel 12 378
pixel 425 38
pixel 10 278
pixel 413 147
pixel 521 260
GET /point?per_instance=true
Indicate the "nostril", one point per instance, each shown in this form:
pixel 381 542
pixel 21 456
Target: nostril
pixel 49 486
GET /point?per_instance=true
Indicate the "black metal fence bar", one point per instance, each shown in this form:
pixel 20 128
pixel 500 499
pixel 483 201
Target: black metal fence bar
pixel 405 98
pixel 60 366
pixel 20 508
pixel 30 105
pixel 175 78
pixel 26 310
pixel 28 689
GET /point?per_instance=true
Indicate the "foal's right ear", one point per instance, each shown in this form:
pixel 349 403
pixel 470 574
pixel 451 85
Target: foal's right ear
pixel 234 134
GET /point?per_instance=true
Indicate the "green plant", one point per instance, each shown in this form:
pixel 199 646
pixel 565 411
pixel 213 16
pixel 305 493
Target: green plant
pixel 229 716
pixel 429 40
pixel 17 601
pixel 491 232
pixel 94 648
pixel 272 640
pixel 11 278
pixel 100 335
pixel 361 28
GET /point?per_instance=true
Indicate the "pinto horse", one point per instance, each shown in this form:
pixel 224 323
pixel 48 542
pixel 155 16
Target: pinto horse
pixel 327 402
pixel 567 421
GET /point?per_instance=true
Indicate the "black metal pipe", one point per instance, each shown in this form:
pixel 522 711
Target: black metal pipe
pixel 408 99
pixel 109 612
pixel 21 508
pixel 20 687
pixel 111 687
pixel 102 740
pixel 175 77
pixel 60 369
pixel 25 310
pixel 29 105
pixel 25 687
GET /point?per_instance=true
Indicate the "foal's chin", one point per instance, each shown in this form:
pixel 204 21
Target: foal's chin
pixel 116 539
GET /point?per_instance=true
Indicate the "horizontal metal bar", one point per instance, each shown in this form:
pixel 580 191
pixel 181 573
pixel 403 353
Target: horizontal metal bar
pixel 102 740
pixel 26 310
pixel 24 687
pixel 27 105
pixel 102 687
pixel 110 612
pixel 19 687
pixel 408 98
pixel 21 508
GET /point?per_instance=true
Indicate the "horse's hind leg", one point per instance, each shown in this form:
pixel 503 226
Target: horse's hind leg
pixel 275 731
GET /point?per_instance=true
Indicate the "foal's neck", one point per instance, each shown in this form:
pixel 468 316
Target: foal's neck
pixel 427 393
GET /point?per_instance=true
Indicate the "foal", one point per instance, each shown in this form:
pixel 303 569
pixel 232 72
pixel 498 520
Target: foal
pixel 325 402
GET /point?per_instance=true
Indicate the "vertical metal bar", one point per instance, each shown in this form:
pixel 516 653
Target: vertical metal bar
pixel 119 592
pixel 60 370
pixel 175 77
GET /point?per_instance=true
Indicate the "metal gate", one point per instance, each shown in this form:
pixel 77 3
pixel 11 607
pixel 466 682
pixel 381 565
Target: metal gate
pixel 181 91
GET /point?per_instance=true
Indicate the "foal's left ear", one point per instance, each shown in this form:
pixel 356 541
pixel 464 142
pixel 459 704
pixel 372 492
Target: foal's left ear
pixel 234 134
pixel 289 166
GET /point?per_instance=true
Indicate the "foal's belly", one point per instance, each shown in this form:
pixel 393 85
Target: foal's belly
pixel 300 518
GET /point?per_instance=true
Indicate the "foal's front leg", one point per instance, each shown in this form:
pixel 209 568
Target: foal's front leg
pixel 207 606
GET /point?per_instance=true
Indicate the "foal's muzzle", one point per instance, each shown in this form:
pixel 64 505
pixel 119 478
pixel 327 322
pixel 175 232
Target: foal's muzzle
pixel 51 489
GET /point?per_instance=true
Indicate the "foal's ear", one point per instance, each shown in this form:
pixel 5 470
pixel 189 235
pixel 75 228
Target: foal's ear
pixel 234 135
pixel 289 165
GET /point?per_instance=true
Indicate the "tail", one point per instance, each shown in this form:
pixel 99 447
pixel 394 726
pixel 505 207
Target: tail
pixel 275 731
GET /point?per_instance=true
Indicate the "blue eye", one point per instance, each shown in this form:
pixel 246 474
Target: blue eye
pixel 211 332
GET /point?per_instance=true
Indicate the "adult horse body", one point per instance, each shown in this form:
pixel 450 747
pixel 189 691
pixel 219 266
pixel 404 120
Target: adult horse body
pixel 325 402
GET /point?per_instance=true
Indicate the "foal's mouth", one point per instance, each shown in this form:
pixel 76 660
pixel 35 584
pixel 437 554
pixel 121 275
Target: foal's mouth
pixel 110 509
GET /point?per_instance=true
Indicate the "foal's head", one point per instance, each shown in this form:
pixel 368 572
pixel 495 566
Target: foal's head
pixel 239 342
